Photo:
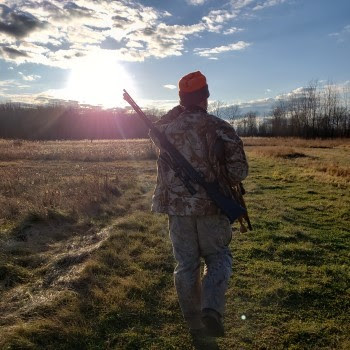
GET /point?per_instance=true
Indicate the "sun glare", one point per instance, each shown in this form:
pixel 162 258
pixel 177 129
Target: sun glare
pixel 98 81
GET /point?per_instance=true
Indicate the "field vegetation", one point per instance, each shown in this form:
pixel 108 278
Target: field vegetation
pixel 85 265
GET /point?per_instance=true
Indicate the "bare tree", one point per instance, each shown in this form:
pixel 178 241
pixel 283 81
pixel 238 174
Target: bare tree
pixel 232 112
pixel 279 121
pixel 217 108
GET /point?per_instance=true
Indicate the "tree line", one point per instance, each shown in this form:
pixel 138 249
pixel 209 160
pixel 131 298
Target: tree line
pixel 308 113
pixel 68 122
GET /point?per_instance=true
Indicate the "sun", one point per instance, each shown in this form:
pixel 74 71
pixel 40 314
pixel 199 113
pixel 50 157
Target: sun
pixel 98 80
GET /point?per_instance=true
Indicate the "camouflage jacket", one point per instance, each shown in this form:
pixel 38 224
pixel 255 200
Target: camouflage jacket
pixel 211 146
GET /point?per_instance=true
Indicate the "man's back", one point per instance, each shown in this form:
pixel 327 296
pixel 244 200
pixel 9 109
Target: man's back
pixel 194 133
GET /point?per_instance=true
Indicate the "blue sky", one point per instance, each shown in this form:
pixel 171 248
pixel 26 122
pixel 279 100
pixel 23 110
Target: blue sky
pixel 250 50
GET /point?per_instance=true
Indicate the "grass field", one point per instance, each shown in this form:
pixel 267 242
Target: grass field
pixel 85 265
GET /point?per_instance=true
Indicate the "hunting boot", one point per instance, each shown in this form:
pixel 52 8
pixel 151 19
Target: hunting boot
pixel 213 323
pixel 201 340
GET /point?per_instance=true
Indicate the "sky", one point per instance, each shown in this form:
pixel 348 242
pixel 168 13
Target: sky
pixel 251 51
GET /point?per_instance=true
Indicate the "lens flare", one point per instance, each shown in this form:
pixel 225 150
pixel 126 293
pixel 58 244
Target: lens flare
pixel 98 80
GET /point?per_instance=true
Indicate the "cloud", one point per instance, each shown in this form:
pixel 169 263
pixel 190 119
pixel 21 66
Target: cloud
pixel 30 77
pixel 170 86
pixel 18 24
pixel 11 53
pixel 215 19
pixel 342 35
pixel 57 33
pixel 75 10
pixel 196 2
pixel 254 4
pixel 10 85
pixel 209 52
pixel 240 4
pixel 268 3
pixel 232 30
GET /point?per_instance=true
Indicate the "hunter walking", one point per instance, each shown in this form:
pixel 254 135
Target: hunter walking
pixel 197 227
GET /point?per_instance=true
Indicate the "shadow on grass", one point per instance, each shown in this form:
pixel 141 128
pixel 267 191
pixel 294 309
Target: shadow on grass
pixel 300 255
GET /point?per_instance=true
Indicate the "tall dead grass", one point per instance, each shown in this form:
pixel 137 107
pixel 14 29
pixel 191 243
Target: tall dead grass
pixel 85 150
pixel 295 142
pixel 328 160
pixel 83 191
pixel 335 170
pixel 71 189
pixel 78 178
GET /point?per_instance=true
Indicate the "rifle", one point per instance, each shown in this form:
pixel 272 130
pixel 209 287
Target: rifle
pixel 238 193
pixel 185 171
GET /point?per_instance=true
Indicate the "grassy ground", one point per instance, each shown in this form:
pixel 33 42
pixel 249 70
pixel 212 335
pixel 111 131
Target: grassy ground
pixel 84 265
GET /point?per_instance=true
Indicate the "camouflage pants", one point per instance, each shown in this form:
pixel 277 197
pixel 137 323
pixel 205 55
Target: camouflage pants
pixel 194 237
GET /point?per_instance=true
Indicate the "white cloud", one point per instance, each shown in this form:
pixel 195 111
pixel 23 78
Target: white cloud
pixel 209 52
pixel 6 86
pixel 170 86
pixel 67 30
pixel 254 4
pixel 268 3
pixel 321 86
pixel 159 104
pixel 215 19
pixel 342 35
pixel 232 30
pixel 196 2
pixel 30 77
pixel 240 4
pixel 60 32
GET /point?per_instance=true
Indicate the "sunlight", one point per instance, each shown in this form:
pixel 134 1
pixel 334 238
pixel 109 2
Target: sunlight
pixel 98 80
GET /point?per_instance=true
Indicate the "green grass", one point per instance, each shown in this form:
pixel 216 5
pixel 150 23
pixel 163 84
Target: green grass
pixel 290 275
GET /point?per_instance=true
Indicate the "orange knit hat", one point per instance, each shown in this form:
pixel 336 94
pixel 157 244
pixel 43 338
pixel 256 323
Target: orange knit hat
pixel 193 89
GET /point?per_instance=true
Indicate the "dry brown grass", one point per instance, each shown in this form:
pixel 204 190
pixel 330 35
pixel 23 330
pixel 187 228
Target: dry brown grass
pixel 335 170
pixel 295 142
pixel 34 187
pixel 85 150
pixel 76 189
pixel 77 178
pixel 326 160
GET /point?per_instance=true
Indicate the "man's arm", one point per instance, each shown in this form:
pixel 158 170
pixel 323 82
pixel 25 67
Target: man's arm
pixel 226 151
pixel 234 156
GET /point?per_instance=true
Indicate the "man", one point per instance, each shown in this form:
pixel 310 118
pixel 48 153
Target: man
pixel 197 228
